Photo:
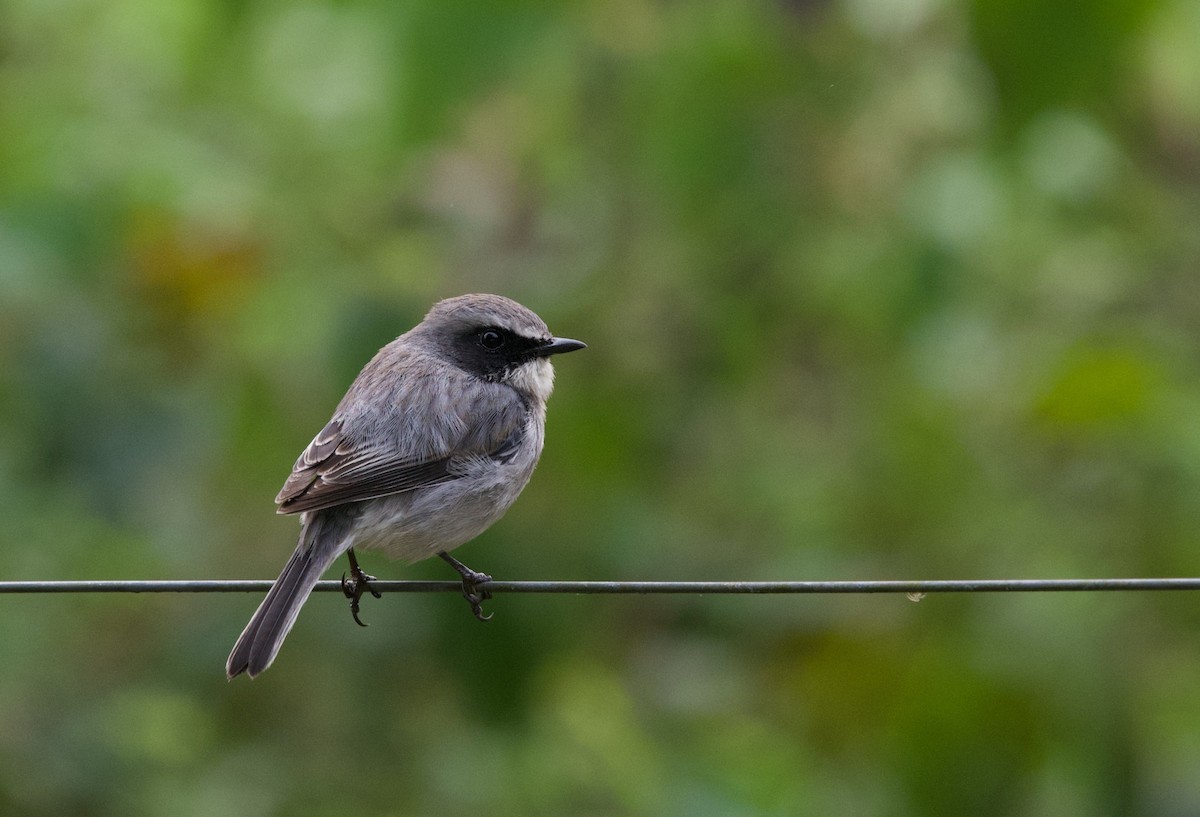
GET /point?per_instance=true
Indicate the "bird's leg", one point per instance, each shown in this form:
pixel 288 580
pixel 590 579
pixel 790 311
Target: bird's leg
pixel 470 585
pixel 354 587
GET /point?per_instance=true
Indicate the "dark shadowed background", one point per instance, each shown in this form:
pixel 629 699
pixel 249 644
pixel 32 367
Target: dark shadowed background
pixel 874 289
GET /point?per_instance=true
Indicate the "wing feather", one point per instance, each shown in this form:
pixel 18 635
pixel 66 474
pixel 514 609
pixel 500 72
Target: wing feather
pixel 337 467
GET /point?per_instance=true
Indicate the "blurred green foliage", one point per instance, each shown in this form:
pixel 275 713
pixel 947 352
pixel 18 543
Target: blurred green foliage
pixel 873 289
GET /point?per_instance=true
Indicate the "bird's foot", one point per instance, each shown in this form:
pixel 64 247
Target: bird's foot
pixel 472 592
pixel 354 587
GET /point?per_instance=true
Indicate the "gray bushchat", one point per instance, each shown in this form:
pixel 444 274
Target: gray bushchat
pixel 433 441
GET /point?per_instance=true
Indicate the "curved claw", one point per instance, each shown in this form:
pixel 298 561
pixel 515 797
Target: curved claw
pixel 471 579
pixel 474 596
pixel 476 601
pixel 353 589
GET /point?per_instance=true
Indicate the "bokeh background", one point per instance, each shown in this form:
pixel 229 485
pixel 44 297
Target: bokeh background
pixel 874 289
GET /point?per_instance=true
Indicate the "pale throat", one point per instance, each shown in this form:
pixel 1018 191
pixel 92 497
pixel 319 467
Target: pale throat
pixel 534 378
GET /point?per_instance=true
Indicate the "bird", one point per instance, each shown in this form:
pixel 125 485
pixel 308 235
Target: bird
pixel 431 444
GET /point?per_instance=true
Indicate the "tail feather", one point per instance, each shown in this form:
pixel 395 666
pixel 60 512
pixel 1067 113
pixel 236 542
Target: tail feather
pixel 321 542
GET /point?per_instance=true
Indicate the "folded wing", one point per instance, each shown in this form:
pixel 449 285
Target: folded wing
pixel 337 467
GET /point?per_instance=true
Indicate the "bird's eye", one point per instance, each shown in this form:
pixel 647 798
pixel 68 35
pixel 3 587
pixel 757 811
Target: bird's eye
pixel 491 339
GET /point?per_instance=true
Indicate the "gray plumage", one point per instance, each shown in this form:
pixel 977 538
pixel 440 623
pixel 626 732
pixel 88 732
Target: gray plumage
pixel 430 445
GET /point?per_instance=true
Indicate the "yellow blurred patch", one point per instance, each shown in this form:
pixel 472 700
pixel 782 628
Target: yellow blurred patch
pixel 1097 387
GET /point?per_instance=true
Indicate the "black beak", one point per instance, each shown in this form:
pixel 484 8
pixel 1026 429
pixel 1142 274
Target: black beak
pixel 558 346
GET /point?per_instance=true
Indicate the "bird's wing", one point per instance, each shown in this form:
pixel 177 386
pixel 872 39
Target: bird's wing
pixel 338 467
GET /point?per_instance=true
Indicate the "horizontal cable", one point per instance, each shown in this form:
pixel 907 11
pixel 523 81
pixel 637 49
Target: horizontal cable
pixel 383 586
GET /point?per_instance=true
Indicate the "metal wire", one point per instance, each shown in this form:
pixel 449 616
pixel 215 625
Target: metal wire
pixel 384 586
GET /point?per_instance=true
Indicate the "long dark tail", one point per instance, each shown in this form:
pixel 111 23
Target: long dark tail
pixel 321 542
